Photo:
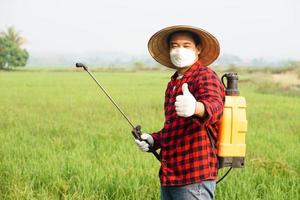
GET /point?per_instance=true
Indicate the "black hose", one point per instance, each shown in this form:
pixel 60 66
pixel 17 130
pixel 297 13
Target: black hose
pixel 224 175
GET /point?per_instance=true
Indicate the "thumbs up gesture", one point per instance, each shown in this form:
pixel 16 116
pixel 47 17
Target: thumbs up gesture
pixel 185 105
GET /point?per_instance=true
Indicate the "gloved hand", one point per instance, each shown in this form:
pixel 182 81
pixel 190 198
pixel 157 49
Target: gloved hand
pixel 144 146
pixel 185 104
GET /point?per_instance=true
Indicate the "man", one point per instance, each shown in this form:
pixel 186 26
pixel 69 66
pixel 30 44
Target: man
pixel 194 103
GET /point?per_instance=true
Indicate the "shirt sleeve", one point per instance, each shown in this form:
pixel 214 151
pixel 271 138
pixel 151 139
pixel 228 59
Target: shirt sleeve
pixel 156 137
pixel 212 95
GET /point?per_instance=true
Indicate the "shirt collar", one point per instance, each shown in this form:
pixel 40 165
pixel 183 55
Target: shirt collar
pixel 190 71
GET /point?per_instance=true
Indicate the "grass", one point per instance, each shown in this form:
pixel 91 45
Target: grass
pixel 61 139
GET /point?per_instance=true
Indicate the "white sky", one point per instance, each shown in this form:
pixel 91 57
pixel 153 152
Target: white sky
pixel 247 28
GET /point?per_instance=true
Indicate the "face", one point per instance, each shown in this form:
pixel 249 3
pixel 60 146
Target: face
pixel 183 51
pixel 185 41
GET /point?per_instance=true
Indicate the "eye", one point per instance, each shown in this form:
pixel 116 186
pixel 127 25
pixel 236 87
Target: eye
pixel 187 46
pixel 174 46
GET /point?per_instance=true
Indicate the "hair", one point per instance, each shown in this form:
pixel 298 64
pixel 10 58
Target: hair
pixel 194 36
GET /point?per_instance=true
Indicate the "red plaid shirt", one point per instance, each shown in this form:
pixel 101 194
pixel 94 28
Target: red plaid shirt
pixel 186 153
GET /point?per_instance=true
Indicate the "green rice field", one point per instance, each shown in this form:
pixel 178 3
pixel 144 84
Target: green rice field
pixel 61 138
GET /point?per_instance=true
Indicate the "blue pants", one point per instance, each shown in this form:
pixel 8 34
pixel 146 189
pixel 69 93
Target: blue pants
pixel 197 191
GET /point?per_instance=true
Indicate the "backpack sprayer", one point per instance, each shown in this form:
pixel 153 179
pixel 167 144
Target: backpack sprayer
pixel 232 129
pixel 136 130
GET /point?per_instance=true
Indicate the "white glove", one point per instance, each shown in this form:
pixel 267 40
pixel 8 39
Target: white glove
pixel 144 146
pixel 185 104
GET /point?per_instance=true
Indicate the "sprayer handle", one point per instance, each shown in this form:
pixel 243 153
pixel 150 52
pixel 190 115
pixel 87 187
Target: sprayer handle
pixel 137 135
pixel 222 79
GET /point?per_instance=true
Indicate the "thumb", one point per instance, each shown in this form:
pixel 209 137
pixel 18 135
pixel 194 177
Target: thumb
pixel 185 89
pixel 145 136
pixel 148 137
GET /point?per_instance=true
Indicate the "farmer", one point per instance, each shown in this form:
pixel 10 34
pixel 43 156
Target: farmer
pixel 194 101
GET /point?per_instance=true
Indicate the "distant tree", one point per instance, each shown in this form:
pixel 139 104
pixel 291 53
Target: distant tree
pixel 13 35
pixel 11 52
pixel 139 65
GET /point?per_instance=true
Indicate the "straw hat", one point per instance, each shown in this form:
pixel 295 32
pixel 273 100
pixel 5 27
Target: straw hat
pixel 159 48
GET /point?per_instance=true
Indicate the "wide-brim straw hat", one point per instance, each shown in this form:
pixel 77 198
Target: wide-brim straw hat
pixel 159 48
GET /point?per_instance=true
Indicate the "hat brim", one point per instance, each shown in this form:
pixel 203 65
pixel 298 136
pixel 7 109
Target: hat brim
pixel 159 47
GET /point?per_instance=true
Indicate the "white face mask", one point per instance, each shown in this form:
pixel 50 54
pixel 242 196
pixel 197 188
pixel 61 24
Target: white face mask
pixel 182 57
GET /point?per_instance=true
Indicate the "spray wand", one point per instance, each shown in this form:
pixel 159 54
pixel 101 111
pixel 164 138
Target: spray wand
pixel 136 130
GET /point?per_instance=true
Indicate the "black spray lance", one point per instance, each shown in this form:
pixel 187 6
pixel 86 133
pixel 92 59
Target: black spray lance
pixel 136 130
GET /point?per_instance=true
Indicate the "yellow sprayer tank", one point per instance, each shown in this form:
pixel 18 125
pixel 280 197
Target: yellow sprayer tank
pixel 233 127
